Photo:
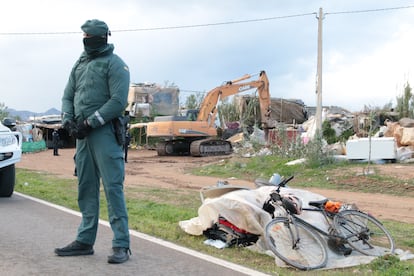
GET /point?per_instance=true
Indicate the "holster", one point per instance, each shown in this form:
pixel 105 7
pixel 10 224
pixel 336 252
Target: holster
pixel 120 129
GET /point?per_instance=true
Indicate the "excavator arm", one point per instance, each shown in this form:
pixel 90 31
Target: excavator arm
pixel 208 108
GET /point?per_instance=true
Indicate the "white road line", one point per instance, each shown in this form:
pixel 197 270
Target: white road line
pixel 167 244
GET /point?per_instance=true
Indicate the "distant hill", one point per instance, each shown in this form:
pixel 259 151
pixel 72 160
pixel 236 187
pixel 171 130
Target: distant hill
pixel 24 115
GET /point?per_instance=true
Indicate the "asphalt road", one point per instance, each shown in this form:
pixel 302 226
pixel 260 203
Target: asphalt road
pixel 30 230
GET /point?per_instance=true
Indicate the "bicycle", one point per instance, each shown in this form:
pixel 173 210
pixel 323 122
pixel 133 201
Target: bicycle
pixel 301 244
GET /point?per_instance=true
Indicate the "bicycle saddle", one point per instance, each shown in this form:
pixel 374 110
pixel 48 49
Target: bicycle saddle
pixel 318 203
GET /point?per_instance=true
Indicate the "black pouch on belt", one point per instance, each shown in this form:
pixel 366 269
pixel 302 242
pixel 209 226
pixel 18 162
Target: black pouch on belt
pixel 120 129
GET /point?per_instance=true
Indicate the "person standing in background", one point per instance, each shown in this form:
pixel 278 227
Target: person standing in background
pixel 55 142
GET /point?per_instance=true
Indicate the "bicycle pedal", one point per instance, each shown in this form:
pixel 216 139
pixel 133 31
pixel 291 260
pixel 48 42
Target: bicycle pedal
pixel 339 248
pixel 347 251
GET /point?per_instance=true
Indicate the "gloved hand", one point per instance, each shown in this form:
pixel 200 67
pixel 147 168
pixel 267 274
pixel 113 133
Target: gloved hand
pixel 83 129
pixel 71 128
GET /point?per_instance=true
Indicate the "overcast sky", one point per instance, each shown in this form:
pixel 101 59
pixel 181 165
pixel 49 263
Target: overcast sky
pixel 368 56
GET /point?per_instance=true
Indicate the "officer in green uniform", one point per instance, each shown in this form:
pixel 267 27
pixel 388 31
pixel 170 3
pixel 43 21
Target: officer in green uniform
pixel 95 95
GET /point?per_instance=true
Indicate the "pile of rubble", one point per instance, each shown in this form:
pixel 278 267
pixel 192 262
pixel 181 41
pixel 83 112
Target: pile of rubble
pixel 402 131
pixel 403 134
pixel 398 136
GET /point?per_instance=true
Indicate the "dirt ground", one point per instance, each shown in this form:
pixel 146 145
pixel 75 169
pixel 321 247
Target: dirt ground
pixel 145 168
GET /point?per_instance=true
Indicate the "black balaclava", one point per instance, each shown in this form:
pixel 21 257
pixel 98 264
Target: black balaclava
pixel 94 45
pixel 97 39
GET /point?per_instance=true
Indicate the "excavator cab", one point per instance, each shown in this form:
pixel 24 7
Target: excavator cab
pixel 192 114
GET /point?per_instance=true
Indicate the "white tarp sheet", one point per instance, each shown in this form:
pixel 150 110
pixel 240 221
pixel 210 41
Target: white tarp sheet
pixel 243 208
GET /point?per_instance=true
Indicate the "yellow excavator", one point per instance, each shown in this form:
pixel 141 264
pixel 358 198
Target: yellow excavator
pixel 196 134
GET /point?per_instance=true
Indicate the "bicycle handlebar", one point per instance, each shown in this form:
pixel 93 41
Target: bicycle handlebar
pixel 275 196
pixel 285 181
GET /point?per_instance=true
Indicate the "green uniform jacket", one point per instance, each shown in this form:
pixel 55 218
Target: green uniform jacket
pixel 97 89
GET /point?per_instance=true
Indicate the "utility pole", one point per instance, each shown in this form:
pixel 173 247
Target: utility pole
pixel 318 115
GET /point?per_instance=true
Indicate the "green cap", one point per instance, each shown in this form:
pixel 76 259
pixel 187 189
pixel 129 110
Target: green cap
pixel 95 27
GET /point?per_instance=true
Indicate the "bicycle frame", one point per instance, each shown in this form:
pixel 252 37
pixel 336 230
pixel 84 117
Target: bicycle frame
pixel 275 197
pixel 320 231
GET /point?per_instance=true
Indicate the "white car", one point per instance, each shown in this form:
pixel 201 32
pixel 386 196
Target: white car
pixel 10 153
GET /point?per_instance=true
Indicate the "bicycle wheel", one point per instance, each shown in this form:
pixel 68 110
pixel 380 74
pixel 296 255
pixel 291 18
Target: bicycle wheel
pixel 296 244
pixel 364 233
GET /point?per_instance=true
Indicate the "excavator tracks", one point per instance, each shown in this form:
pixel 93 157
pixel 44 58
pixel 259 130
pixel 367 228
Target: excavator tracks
pixel 173 148
pixel 197 148
pixel 210 147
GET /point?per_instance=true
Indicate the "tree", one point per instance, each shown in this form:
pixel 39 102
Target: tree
pixel 405 103
pixel 228 112
pixel 3 111
pixel 194 101
pixel 328 132
pixel 191 102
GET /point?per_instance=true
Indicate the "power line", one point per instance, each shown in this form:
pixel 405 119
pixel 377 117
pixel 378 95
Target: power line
pixel 208 24
pixel 216 24
pixel 371 10
pixel 38 33
pixel 171 27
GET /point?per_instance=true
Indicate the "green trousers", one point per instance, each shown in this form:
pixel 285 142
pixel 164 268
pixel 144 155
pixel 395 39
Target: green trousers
pixel 99 156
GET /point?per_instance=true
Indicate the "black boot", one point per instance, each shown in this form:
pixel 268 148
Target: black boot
pixel 75 249
pixel 119 256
